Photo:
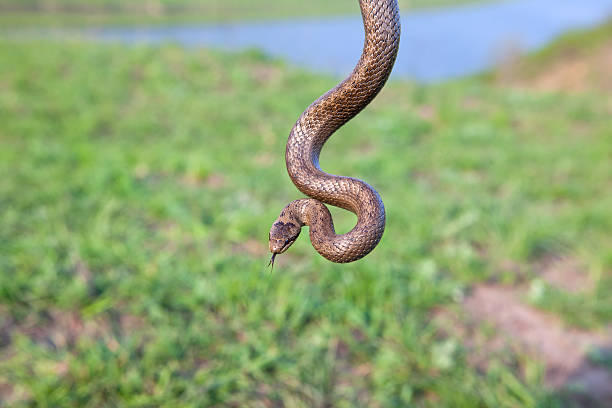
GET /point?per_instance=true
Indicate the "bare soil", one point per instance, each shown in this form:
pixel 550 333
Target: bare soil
pixel 563 350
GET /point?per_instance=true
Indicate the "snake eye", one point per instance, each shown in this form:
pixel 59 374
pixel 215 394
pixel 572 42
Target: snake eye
pixel 288 242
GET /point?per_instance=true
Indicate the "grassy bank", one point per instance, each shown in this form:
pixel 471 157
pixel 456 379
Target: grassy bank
pixel 578 42
pixel 75 12
pixel 139 186
pixel 578 61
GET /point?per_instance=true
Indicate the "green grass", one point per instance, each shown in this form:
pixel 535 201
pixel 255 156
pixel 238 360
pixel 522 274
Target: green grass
pixel 96 12
pixel 138 188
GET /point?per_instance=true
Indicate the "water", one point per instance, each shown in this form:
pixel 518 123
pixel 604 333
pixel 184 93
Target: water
pixel 436 44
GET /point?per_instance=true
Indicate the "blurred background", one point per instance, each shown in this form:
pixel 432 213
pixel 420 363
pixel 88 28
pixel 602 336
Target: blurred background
pixel 142 161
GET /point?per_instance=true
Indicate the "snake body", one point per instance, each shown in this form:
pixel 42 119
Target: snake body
pixel 318 122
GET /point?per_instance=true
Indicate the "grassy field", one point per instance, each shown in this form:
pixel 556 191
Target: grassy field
pixel 78 12
pixel 138 188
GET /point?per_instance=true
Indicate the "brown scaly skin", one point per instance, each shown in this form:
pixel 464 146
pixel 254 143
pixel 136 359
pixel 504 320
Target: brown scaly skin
pixel 311 131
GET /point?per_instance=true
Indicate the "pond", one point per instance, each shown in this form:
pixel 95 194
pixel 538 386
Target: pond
pixel 436 44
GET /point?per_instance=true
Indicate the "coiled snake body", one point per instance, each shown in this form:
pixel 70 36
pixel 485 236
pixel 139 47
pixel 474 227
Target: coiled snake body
pixel 320 120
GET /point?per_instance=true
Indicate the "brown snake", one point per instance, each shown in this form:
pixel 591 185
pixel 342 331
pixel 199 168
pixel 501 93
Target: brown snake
pixel 322 118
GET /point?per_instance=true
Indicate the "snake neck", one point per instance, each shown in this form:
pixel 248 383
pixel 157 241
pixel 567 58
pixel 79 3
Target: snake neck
pixel 340 104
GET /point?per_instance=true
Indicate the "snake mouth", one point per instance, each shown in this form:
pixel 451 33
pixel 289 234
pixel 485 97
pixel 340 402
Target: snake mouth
pixel 283 248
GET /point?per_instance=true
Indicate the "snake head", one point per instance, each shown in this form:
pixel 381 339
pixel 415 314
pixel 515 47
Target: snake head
pixel 282 235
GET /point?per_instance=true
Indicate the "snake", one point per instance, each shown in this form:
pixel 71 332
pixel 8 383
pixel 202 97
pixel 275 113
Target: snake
pixel 381 22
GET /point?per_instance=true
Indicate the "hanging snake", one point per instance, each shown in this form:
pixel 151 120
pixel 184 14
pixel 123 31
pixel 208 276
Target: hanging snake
pixel 318 122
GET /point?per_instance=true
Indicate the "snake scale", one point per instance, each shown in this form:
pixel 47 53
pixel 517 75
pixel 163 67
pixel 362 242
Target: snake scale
pixel 318 122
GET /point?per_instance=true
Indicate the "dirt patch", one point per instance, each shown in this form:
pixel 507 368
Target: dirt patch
pixel 562 349
pixel 525 329
pixel 564 273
